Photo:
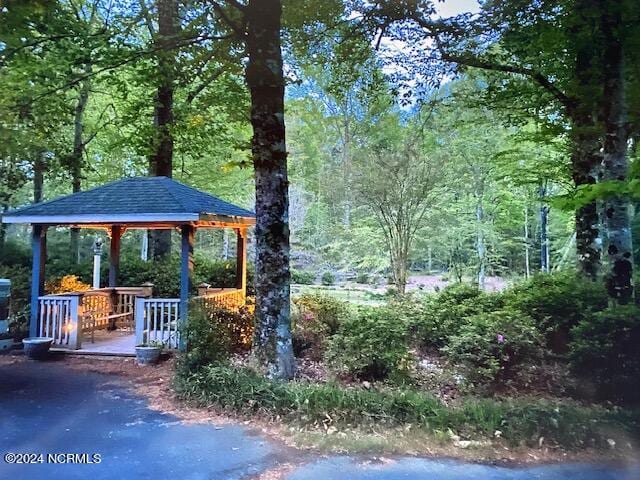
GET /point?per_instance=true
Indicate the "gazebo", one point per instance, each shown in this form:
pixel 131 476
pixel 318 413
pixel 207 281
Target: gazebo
pixel 129 203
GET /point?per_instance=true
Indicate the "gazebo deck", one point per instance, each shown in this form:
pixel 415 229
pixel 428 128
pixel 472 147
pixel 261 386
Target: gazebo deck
pixel 118 343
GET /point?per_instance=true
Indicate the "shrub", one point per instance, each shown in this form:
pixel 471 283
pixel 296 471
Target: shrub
pixel 557 302
pixel 604 351
pixel 302 277
pixel 14 254
pixel 328 278
pixel 443 314
pixel 371 344
pixel 64 284
pixel 19 323
pixel 165 274
pixel 20 284
pixel 316 318
pixel 492 348
pixel 207 337
pixel 362 277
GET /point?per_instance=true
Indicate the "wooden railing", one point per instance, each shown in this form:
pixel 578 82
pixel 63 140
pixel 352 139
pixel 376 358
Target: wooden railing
pixel 157 320
pixel 229 298
pixel 66 317
pixel 58 319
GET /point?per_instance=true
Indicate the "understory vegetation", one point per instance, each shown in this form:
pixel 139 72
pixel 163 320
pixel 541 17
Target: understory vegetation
pixel 541 361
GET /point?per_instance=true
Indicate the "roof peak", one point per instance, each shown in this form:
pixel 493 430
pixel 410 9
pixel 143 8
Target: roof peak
pixel 129 196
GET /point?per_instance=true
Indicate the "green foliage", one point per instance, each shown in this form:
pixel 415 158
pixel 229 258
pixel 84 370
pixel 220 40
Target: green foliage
pixel 302 277
pixel 207 337
pixel 362 277
pixel 493 348
pixel 328 278
pixel 165 274
pixel 246 392
pixel 557 302
pixel 371 344
pixel 604 352
pixel 315 319
pixel 442 314
pixel 20 277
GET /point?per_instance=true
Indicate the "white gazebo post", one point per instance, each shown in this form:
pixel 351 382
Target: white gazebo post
pixel 97 255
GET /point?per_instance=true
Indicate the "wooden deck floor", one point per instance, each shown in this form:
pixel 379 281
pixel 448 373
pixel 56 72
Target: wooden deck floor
pixel 120 343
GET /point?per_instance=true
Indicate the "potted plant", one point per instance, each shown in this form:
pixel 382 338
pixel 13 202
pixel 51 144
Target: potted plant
pixel 148 353
pixel 37 347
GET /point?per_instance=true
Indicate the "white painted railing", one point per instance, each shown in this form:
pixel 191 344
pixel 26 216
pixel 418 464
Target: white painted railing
pixel 59 320
pixel 157 320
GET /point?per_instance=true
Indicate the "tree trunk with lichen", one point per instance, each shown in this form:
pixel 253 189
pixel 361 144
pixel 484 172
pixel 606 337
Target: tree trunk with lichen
pixel 161 159
pixel 265 79
pixel 585 136
pixel 619 275
pixel 75 162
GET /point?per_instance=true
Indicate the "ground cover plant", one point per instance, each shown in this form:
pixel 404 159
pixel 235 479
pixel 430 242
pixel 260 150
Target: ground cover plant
pixel 389 365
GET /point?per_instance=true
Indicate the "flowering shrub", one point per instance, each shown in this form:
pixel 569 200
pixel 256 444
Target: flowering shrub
pixel 315 318
pixel 492 348
pixel 65 284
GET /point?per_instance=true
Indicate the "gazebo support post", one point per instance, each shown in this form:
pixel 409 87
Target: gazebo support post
pixel 186 271
pixel 39 251
pixel 241 261
pixel 114 255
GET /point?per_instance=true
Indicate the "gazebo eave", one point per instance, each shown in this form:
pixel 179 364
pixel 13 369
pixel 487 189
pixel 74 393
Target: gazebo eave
pixel 145 221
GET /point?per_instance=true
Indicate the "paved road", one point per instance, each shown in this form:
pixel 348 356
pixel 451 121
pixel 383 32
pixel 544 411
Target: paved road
pixel 47 408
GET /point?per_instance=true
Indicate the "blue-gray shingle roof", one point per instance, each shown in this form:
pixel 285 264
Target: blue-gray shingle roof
pixel 150 198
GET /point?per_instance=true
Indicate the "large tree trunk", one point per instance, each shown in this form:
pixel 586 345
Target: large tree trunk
pixel 265 78
pixel 481 249
pixel 619 275
pixel 527 262
pixel 586 159
pixel 161 160
pixel 544 231
pixel 38 177
pixel 75 162
pixel 585 136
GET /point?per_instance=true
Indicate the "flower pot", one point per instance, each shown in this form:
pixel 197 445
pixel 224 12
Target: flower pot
pixel 37 347
pixel 147 355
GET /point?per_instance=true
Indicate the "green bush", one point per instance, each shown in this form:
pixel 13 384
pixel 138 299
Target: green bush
pixel 557 302
pixel 371 344
pixel 246 392
pixel 302 277
pixel 206 336
pixel 14 254
pixel 315 318
pixel 605 351
pixel 165 274
pixel 362 278
pixel 442 314
pixel 493 348
pixel 20 277
pixel 328 278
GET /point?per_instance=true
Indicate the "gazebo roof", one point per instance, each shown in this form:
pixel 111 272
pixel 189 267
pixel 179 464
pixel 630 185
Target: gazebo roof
pixel 149 202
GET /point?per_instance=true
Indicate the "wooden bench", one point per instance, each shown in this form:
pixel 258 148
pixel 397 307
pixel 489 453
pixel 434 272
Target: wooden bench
pixel 99 311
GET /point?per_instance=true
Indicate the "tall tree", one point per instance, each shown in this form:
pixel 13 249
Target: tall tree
pixel 619 248
pixel 265 79
pixel 396 178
